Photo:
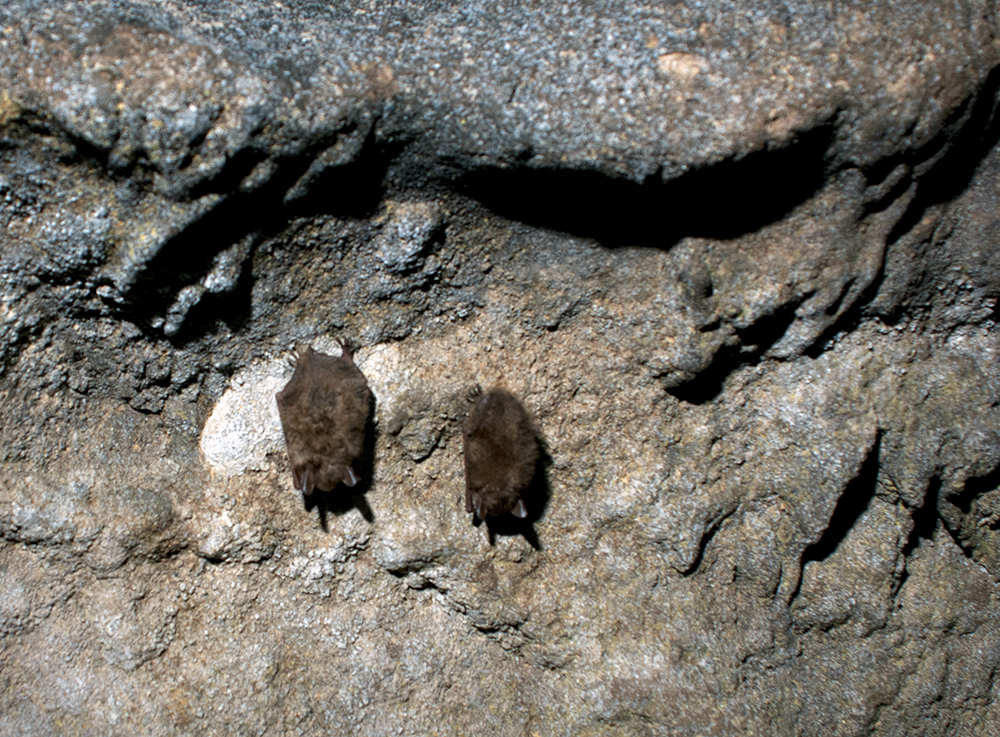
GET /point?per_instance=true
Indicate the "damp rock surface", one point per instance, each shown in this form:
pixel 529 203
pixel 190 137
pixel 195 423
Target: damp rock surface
pixel 737 261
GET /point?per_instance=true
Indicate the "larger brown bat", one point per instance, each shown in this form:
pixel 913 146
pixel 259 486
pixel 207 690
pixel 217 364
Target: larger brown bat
pixel 324 410
pixel 501 454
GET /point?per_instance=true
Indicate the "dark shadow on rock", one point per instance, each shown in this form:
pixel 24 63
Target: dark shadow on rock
pixel 973 488
pixel 536 499
pixel 854 500
pixel 925 521
pixel 189 255
pixel 238 167
pixel 723 200
pixel 925 518
pixel 338 502
pixel 706 539
pixel 351 190
pixel 955 510
pixel 970 133
pixel 753 342
pixel 343 499
pixel 851 318
pixel 965 139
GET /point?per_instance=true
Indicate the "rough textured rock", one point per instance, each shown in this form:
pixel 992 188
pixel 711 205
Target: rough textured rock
pixel 739 261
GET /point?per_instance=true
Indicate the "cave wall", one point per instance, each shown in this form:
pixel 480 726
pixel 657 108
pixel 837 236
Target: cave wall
pixel 739 261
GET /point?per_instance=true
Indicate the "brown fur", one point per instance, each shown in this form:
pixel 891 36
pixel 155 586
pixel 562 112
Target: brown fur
pixel 324 410
pixel 501 454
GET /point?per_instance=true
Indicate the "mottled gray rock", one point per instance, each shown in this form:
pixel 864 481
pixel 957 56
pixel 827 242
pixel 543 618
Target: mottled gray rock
pixel 738 261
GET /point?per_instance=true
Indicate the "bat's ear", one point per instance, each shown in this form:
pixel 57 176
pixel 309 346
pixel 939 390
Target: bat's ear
pixel 520 511
pixel 296 479
pixel 279 398
pixel 479 508
pixel 346 350
pixel 338 473
pixel 308 483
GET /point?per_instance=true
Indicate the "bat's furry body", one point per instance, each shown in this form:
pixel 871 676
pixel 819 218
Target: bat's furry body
pixel 501 454
pixel 324 410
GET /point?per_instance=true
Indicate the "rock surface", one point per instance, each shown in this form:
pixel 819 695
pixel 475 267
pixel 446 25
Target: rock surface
pixel 739 261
